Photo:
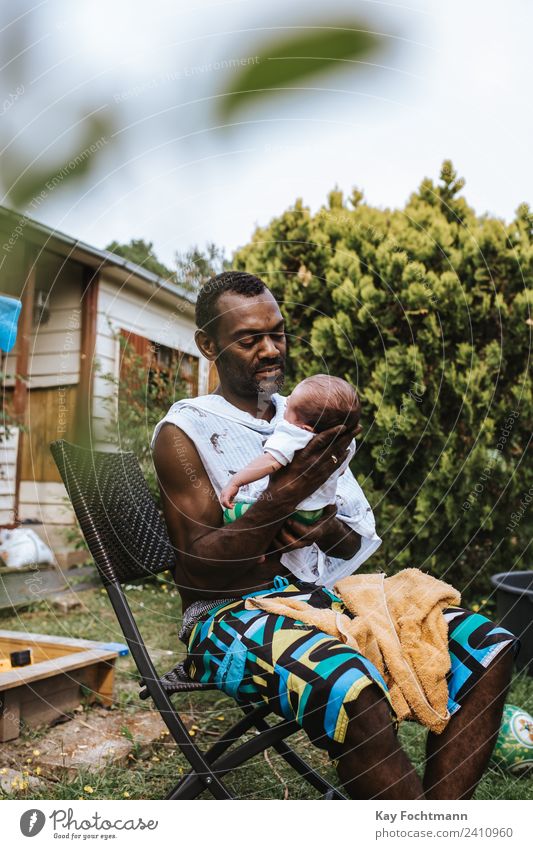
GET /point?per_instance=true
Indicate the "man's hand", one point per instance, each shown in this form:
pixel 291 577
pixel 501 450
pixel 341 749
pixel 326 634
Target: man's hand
pixel 330 534
pixel 295 534
pixel 312 465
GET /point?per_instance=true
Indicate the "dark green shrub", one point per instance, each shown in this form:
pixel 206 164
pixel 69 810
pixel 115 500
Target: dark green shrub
pixel 428 311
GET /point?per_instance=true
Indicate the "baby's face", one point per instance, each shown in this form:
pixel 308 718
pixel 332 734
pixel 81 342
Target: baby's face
pixel 290 414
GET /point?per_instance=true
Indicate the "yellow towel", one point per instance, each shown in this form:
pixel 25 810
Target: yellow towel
pixel 399 627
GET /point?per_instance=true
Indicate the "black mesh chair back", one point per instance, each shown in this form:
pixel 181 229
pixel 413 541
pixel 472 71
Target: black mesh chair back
pixel 124 530
pixel 128 539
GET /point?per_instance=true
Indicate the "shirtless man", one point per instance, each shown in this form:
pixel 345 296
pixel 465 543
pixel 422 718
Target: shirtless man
pixel 241 329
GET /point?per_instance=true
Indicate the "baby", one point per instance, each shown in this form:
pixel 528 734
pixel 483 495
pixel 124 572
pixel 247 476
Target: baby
pixel 316 404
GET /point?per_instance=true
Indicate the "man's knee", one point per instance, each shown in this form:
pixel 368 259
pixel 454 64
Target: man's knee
pixel 369 720
pixel 506 658
pixel 497 675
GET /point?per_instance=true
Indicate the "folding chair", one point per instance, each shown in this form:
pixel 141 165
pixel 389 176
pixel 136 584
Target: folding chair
pixel 128 540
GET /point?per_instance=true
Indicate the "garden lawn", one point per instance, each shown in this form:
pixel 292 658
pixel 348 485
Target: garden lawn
pixel 157 610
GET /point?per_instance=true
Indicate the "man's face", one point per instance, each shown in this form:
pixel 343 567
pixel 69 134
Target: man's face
pixel 251 344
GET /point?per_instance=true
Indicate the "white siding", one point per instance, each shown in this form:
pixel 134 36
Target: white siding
pixel 8 464
pixel 46 502
pixel 54 361
pixel 120 308
pixel 55 346
pixel 49 504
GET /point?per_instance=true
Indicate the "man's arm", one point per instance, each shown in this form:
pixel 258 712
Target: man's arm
pixel 260 467
pixel 331 535
pixel 210 556
pixel 340 541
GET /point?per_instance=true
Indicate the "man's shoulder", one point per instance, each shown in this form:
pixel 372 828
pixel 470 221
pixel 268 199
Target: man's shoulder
pixel 196 415
pixel 199 406
pixel 175 453
pixel 181 416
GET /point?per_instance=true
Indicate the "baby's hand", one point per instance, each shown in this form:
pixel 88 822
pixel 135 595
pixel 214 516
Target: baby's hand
pixel 228 494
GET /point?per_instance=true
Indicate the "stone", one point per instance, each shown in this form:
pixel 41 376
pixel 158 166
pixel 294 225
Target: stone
pixel 12 780
pixel 97 739
pixel 65 602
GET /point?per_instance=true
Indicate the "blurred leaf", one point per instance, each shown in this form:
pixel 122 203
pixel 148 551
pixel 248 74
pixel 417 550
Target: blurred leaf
pixel 25 183
pixel 282 63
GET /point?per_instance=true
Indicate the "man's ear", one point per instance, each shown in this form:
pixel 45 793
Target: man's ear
pixel 206 345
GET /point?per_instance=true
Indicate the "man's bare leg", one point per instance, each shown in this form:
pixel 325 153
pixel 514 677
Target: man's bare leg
pixel 457 758
pixel 373 764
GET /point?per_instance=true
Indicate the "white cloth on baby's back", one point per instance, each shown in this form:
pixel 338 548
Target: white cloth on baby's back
pixel 227 439
pixel 289 438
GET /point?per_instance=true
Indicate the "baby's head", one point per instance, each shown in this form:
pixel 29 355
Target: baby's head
pixel 321 401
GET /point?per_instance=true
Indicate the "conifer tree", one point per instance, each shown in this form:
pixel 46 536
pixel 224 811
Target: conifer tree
pixel 426 309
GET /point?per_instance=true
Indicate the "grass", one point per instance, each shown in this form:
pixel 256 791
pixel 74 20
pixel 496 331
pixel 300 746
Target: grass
pixel 149 776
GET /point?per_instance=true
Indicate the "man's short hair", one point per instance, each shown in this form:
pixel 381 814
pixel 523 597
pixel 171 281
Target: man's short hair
pixel 239 282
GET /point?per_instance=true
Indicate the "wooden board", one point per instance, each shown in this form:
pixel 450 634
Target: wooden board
pixel 50 415
pixel 50 687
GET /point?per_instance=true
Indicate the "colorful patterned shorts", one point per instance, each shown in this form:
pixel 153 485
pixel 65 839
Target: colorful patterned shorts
pixel 309 676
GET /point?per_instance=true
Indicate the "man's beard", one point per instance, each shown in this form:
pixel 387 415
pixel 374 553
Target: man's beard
pixel 268 385
pixel 249 383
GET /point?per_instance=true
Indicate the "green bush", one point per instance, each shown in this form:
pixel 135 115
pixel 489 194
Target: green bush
pixel 427 310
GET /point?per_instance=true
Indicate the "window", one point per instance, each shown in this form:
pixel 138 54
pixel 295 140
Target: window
pixel 165 366
pixel 169 363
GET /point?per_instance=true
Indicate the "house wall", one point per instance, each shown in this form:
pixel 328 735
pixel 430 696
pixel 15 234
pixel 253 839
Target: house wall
pixel 130 310
pixel 54 370
pixel 55 346
pixel 8 467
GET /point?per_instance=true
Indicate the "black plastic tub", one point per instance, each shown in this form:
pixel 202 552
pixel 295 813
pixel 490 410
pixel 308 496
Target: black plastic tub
pixel 514 599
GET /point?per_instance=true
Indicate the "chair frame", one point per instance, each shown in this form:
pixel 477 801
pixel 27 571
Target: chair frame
pixel 100 524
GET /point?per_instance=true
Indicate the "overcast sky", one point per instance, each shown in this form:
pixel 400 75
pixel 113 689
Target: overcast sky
pixel 453 81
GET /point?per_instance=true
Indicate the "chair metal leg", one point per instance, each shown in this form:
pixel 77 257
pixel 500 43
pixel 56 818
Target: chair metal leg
pixel 300 765
pixel 193 784
pixel 233 734
pixel 160 697
pixel 189 787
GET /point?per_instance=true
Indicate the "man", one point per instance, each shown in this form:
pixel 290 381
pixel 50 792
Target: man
pixel 337 696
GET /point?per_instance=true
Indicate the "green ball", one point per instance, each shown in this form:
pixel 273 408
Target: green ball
pixel 513 751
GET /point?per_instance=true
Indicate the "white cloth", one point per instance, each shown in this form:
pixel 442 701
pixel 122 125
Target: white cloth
pixel 288 438
pixel 227 439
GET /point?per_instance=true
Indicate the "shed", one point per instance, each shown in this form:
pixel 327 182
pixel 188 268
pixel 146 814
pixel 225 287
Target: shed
pixel 77 301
